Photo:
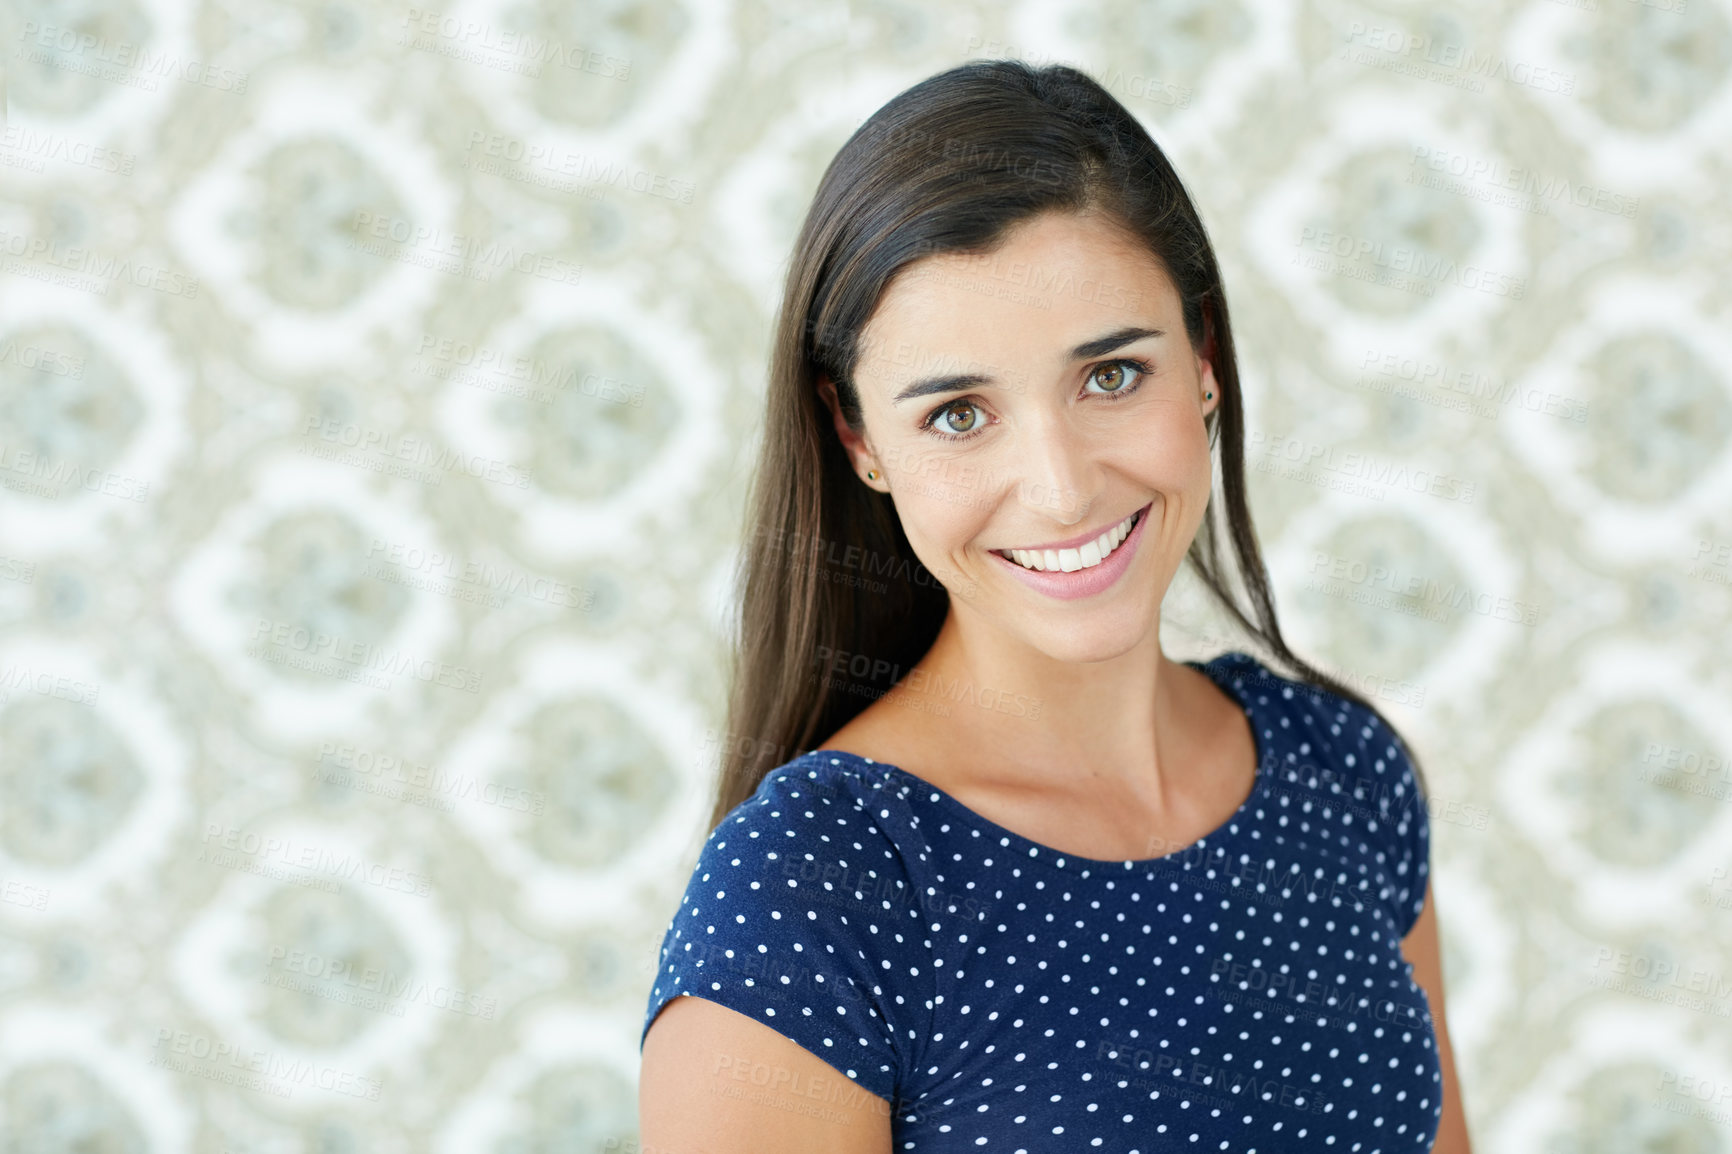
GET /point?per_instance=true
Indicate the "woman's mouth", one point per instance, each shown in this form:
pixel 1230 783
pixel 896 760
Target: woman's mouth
pixel 1086 569
pixel 1085 556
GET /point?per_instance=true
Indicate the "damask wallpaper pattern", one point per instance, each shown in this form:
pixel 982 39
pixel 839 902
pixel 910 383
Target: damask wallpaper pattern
pixel 378 387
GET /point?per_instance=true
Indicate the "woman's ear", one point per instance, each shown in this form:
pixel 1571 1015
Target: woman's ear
pixel 1208 389
pixel 854 442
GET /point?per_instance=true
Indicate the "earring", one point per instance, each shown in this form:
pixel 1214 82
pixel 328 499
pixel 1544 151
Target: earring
pixel 871 474
pixel 1208 396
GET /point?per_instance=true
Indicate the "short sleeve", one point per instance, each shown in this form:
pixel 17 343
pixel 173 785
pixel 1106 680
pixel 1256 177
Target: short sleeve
pixel 800 914
pixel 1406 819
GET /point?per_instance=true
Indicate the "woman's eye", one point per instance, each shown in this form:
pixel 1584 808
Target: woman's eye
pixel 956 419
pixel 1117 376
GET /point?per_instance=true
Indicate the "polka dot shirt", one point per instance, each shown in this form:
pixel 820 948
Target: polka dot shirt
pixel 1245 993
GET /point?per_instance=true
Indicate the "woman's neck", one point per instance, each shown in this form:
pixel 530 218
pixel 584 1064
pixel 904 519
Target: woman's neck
pixel 1007 706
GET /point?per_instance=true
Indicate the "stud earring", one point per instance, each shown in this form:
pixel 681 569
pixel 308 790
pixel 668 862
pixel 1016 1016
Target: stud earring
pixel 1208 396
pixel 871 474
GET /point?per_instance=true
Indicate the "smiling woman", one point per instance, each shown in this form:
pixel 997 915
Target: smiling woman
pixel 1038 886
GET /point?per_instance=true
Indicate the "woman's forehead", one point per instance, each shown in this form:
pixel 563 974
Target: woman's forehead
pixel 975 317
pixel 1040 266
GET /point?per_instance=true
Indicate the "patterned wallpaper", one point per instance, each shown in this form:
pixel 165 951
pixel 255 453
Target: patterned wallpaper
pixel 378 387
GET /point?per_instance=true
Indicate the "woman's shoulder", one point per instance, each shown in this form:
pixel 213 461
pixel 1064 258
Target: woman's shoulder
pixel 801 913
pixel 838 810
pixel 1269 685
pixel 1334 757
pixel 1333 741
pixel 824 776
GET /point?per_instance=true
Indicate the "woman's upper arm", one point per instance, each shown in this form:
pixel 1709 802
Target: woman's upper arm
pixel 716 1082
pixel 1420 948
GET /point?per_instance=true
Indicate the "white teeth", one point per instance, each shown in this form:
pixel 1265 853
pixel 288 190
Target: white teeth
pixel 1070 560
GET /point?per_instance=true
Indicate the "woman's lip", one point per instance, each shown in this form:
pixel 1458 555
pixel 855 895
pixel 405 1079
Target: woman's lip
pixel 1082 582
pixel 1076 542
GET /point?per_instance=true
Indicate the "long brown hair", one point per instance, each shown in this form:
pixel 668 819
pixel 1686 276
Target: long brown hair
pixel 827 576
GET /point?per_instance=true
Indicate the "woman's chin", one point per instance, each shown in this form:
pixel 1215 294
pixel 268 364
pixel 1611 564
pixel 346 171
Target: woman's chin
pixel 1085 643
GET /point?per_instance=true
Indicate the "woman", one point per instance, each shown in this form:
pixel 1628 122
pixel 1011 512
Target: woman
pixel 1052 891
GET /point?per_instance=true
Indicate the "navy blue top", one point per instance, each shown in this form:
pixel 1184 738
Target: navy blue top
pixel 1245 993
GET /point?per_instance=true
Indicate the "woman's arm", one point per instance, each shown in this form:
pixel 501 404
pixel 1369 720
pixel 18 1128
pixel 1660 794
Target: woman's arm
pixel 1420 949
pixel 716 1082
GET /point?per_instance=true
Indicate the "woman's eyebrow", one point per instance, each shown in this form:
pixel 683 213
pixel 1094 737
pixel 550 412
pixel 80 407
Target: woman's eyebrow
pixel 1114 340
pixel 1099 346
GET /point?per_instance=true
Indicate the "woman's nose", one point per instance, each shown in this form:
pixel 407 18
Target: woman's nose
pixel 1056 473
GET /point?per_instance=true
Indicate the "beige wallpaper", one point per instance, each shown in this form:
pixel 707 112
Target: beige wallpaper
pixel 377 392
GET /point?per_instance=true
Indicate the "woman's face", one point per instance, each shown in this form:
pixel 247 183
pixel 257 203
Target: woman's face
pixel 1025 409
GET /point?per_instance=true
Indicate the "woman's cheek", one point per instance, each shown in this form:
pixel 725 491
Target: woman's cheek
pixel 941 515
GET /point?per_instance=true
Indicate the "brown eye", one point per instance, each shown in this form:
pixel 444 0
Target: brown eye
pixel 958 418
pixel 1118 378
pixel 1114 379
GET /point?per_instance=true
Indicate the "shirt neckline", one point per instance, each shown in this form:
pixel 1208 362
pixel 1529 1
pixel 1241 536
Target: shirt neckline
pixel 1028 847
